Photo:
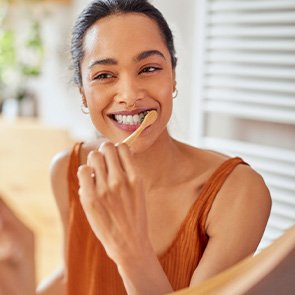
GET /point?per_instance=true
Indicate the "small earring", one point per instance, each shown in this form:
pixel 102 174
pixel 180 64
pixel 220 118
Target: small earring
pixel 84 107
pixel 175 93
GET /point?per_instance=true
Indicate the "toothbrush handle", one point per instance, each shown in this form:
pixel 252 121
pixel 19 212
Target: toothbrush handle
pixel 129 139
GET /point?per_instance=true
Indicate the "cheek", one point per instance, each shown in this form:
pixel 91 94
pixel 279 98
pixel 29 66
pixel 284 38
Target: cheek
pixel 164 88
pixel 165 99
pixel 97 100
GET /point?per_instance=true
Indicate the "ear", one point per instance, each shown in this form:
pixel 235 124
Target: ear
pixel 82 93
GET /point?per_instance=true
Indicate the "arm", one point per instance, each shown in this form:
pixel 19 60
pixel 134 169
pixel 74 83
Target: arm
pixel 17 263
pixel 236 222
pixel 56 283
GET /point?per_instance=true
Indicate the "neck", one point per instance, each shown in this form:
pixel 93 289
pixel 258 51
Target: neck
pixel 158 160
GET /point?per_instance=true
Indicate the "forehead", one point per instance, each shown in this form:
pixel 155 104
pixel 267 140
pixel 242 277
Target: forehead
pixel 125 32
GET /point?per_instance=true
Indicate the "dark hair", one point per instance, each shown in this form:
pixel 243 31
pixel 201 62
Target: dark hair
pixel 98 9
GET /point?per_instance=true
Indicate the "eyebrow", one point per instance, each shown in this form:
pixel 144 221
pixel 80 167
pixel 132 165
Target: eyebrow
pixel 104 61
pixel 148 53
pixel 141 56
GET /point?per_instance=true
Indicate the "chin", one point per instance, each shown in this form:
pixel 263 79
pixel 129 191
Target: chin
pixel 139 147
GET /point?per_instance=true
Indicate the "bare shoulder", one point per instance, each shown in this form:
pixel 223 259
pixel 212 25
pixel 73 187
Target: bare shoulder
pixel 245 178
pixel 59 163
pixel 246 185
pixel 58 174
pixel 244 200
pixel 236 222
pixel 243 203
pixel 59 171
pixel 238 216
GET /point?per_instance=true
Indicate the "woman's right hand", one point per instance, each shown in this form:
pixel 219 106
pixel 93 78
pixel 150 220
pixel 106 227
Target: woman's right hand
pixel 17 263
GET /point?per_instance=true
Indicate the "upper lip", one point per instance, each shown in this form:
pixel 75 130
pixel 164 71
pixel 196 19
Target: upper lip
pixel 132 112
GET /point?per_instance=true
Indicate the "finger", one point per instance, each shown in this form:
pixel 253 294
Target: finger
pixel 126 159
pixel 86 181
pixel 97 162
pixel 112 160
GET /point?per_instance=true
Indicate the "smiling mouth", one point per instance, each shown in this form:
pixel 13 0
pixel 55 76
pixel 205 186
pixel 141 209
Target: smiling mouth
pixel 129 119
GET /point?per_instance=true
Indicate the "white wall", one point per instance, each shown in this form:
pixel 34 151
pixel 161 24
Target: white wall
pixel 59 100
pixel 181 18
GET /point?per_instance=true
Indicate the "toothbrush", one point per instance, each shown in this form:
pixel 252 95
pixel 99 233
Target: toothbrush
pixel 148 120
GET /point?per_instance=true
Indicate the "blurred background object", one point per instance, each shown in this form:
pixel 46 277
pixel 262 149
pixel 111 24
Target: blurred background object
pixel 29 139
pixel 21 57
pixel 26 149
pixel 35 74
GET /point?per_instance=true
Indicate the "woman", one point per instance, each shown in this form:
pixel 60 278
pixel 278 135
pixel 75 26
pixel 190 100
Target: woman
pixel 159 215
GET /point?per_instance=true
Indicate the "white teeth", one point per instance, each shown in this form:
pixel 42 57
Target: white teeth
pixel 136 118
pixel 130 120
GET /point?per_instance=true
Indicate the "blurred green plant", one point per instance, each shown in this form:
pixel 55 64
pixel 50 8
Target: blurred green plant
pixel 19 62
pixel 7 56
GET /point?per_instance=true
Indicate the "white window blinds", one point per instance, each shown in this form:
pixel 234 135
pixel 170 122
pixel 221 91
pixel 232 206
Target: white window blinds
pixel 246 93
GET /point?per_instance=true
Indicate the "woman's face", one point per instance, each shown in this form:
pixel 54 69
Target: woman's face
pixel 126 62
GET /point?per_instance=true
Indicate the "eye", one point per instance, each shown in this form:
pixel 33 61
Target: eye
pixel 103 76
pixel 149 69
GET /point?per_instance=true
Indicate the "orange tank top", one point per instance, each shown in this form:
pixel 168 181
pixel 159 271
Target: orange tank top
pixel 91 272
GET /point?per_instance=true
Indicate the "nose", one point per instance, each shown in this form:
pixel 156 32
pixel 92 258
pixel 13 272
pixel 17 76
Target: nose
pixel 128 91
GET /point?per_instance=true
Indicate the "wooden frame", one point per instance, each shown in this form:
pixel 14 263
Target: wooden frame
pixel 270 270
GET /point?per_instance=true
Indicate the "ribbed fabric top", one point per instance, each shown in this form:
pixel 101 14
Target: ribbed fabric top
pixel 92 272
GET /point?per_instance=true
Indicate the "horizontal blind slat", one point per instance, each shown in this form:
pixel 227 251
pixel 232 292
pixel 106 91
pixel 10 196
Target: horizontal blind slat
pixel 253 32
pixel 272 233
pixel 251 71
pixel 251 84
pixel 214 93
pixel 279 222
pixel 260 114
pixel 286 197
pixel 287 17
pixel 251 45
pixel 284 210
pixel 220 6
pixel 282 183
pixel 250 58
pixel 269 153
pixel 283 169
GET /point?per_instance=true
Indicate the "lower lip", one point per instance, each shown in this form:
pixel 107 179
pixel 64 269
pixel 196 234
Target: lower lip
pixel 126 127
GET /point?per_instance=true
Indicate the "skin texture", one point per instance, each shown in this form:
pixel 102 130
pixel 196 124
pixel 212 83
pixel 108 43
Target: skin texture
pixel 16 254
pixel 127 196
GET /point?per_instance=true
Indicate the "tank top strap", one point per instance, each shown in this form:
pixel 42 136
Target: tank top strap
pixel 210 191
pixel 74 164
